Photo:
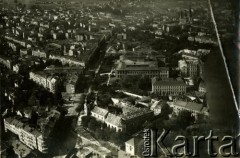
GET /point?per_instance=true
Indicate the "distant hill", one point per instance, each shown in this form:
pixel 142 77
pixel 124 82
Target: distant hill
pixel 13 3
pixel 19 1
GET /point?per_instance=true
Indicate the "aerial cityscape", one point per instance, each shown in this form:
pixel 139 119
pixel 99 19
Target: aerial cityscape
pixel 90 78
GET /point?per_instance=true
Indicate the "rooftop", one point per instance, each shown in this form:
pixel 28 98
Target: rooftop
pixel 21 149
pixel 169 82
pixel 189 105
pixel 100 111
pixel 114 119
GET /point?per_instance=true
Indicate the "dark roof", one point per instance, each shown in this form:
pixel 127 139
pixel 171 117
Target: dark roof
pixel 169 83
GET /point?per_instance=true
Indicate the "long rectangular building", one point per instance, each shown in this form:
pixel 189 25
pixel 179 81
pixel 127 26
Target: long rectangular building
pixel 194 108
pixel 46 80
pixel 168 87
pixel 27 135
pixel 129 67
pixel 32 137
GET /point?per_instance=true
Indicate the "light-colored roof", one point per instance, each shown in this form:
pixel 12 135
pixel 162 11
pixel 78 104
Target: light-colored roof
pixel 99 111
pixel 133 141
pixel 189 105
pixel 21 149
pixel 114 119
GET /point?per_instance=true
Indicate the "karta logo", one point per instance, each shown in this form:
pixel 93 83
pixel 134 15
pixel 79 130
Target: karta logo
pixel 229 145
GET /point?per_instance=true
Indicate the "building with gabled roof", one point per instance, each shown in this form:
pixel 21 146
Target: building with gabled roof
pixel 99 113
pixel 115 122
pixel 132 146
pixel 194 108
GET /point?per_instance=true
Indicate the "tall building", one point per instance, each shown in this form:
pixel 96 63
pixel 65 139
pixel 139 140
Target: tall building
pixel 32 137
pixel 46 80
pixel 189 68
pixel 186 16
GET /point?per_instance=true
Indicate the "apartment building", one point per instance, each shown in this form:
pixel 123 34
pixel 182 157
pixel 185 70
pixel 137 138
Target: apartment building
pixel 68 60
pixel 32 137
pixel 189 68
pixel 27 135
pixel 46 80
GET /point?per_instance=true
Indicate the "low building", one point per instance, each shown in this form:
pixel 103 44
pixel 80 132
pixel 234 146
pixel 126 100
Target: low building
pixel 70 87
pixel 21 150
pixel 156 107
pixel 194 108
pixel 98 151
pixel 133 146
pixel 38 53
pixel 203 39
pixel 168 87
pixel 20 42
pixel 202 87
pixel 133 118
pixel 16 68
pixel 23 52
pixel 128 120
pixel 99 113
pixel 115 122
pixel 6 62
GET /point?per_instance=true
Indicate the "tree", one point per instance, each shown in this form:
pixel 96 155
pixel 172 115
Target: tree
pixel 144 83
pixel 93 124
pixel 99 134
pixel 81 104
pixel 200 119
pixel 85 121
pixel 180 122
pixel 32 101
pixel 34 118
pixel 113 137
pixel 165 111
pixel 81 84
pixel 185 118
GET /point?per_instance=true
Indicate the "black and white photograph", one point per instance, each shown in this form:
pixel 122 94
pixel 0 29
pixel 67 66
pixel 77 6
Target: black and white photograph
pixel 119 78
